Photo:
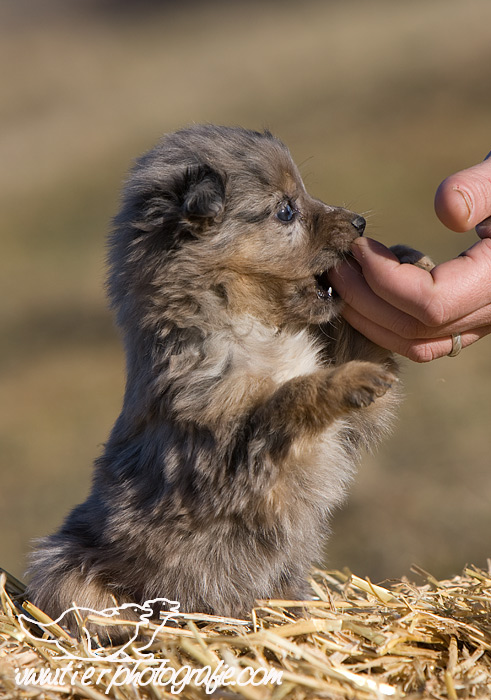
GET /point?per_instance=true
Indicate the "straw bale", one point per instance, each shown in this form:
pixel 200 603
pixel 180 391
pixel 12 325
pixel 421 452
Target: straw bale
pixel 353 640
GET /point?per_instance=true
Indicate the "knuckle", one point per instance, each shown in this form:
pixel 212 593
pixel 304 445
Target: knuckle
pixel 408 327
pixel 420 352
pixel 434 313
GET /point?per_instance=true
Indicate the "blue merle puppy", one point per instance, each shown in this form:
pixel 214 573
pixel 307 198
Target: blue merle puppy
pixel 248 398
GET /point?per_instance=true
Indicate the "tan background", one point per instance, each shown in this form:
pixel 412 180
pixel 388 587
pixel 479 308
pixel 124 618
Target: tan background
pixel 378 102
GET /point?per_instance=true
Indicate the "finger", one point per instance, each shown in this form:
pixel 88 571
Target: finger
pixel 349 283
pixel 452 290
pixel 463 200
pixel 352 287
pixel 417 350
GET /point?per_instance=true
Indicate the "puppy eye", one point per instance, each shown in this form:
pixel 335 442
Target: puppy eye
pixel 286 212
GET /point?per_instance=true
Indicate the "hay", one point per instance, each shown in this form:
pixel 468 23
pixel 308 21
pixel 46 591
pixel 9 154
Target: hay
pixel 354 640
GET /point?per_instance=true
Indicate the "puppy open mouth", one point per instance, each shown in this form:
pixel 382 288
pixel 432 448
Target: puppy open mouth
pixel 323 287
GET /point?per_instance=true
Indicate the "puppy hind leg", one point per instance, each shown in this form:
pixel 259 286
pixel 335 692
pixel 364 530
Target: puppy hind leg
pixel 58 582
pixel 73 590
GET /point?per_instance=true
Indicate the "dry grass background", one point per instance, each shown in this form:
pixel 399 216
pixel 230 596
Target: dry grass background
pixel 378 101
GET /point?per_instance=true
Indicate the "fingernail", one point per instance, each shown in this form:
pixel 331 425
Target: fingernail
pixel 483 229
pixel 357 252
pixel 467 200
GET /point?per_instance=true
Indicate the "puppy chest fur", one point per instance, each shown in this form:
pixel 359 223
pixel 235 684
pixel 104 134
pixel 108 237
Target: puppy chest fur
pixel 247 399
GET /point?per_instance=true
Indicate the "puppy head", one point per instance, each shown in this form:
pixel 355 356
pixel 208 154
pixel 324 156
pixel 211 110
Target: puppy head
pixel 219 217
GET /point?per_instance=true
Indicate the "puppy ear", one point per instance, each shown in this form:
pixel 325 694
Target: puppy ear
pixel 204 194
pixel 169 207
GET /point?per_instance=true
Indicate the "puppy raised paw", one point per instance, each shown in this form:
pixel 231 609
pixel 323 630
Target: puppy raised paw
pixel 358 384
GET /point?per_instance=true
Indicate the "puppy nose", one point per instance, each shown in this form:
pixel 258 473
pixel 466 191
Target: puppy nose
pixel 359 223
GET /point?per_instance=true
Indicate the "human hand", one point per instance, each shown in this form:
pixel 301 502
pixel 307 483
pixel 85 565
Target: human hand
pixel 414 312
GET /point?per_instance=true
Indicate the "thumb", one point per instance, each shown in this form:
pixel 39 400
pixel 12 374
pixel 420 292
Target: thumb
pixel 463 200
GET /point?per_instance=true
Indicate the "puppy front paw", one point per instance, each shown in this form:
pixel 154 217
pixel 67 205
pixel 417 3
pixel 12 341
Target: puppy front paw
pixel 406 254
pixel 358 384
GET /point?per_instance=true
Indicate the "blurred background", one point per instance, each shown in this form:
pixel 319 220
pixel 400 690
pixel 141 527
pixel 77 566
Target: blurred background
pixel 377 101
